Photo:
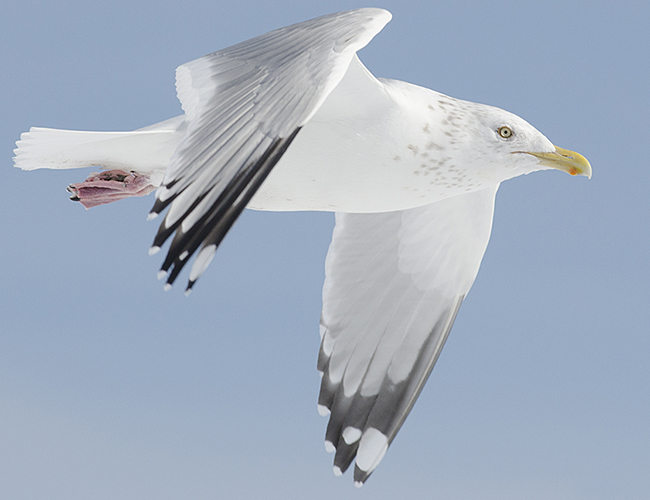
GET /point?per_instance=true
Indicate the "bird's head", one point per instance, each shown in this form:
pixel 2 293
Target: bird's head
pixel 511 146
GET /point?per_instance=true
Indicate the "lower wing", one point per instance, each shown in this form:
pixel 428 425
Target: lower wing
pixel 394 284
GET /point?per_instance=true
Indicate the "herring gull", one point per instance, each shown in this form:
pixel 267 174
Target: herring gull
pixel 292 120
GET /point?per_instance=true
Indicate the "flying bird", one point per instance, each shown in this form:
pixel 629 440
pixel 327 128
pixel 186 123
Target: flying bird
pixel 292 120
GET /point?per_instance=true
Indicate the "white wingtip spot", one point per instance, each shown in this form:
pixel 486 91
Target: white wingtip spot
pixel 167 287
pixel 162 193
pixel 358 484
pixel 337 471
pixel 154 250
pixel 188 291
pixel 323 410
pixel 327 344
pixel 329 447
pixel 372 449
pixel 351 435
pixel 152 215
pixel 184 255
pixel 161 274
pixel 202 261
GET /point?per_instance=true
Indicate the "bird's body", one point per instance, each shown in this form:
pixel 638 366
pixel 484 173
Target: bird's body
pixel 361 146
pixel 292 120
pixel 378 151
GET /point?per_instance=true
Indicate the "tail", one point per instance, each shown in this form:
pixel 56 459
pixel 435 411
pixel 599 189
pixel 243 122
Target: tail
pixel 145 151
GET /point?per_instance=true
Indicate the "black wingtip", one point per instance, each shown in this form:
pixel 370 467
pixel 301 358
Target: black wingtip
pixel 345 454
pixel 212 227
pixel 360 477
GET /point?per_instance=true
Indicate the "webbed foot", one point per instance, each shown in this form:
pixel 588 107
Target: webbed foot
pixel 111 185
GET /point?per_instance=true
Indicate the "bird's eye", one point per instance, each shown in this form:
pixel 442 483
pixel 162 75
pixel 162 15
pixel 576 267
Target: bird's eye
pixel 505 132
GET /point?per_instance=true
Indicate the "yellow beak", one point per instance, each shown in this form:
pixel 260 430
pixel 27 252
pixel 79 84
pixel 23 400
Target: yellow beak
pixel 568 161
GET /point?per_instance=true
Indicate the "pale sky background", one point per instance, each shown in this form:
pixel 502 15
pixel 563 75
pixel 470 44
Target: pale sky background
pixel 112 389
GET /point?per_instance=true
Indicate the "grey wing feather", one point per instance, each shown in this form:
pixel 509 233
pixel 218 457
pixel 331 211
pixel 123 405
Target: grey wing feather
pixel 244 105
pixel 394 284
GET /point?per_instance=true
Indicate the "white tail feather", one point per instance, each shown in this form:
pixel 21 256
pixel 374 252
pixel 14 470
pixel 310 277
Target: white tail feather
pixel 146 151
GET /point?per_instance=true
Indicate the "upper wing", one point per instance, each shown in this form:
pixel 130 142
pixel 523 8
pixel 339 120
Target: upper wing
pixel 244 106
pixel 394 283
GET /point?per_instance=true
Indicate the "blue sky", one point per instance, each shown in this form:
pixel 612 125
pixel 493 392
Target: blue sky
pixel 111 388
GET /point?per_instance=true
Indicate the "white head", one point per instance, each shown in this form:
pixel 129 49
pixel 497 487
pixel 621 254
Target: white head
pixel 499 145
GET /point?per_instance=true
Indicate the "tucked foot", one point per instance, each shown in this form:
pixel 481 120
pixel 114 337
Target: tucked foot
pixel 111 185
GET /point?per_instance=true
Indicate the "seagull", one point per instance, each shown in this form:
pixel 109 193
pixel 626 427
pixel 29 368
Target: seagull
pixel 292 120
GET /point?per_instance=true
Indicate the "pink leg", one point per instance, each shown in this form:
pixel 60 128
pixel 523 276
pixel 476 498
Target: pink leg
pixel 109 186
